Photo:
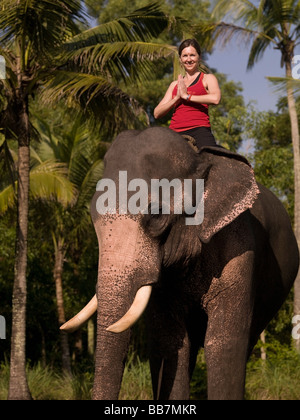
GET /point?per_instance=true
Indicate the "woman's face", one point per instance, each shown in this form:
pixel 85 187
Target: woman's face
pixel 190 59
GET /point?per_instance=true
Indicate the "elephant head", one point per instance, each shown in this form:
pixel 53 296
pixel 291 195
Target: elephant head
pixel 134 248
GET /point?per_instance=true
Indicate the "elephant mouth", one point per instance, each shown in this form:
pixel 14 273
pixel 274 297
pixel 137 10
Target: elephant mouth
pixel 137 308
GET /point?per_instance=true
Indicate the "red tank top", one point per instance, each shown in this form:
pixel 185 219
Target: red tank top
pixel 189 114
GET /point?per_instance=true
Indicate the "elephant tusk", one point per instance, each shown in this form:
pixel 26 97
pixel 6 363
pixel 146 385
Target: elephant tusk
pixel 135 311
pixel 78 320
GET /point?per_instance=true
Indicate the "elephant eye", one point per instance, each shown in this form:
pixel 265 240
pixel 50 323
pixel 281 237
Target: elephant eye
pixel 156 225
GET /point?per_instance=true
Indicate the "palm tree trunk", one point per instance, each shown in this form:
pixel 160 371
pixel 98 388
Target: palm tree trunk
pixel 18 387
pixel 296 150
pixel 57 274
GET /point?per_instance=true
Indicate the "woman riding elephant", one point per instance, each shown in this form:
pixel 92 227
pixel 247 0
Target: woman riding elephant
pixel 190 96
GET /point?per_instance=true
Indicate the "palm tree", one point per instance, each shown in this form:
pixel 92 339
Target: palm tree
pixel 45 52
pixel 65 168
pixel 29 31
pixel 270 23
pixel 74 146
pixel 48 180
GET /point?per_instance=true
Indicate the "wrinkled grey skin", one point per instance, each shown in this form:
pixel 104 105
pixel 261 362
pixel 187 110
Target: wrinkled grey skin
pixel 215 285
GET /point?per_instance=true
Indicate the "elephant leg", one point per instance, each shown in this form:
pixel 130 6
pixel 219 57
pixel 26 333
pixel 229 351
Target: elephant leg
pixel 169 345
pixel 229 309
pixel 170 374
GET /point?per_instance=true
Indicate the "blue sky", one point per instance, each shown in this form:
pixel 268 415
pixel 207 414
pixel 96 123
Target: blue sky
pixel 232 61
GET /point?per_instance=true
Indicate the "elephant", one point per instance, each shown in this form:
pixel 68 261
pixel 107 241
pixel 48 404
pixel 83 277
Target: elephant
pixel 215 284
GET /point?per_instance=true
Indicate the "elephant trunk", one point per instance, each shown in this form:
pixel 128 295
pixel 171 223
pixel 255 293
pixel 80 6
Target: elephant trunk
pixel 128 263
pixel 111 352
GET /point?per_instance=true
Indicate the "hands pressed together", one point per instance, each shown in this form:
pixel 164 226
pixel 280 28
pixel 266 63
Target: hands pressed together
pixel 181 88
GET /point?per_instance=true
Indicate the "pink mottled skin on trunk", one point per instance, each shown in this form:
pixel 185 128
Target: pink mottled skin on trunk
pixel 126 262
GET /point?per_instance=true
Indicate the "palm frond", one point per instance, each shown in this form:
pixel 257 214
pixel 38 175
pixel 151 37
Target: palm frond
pixel 276 12
pixel 271 22
pixel 296 33
pixel 121 58
pixel 94 96
pixel 71 86
pixel 259 46
pixel 8 56
pixel 281 84
pixel 41 24
pixel 222 33
pixel 123 47
pixel 7 198
pixel 142 25
pixel 8 169
pixel 49 181
pixel 236 10
pixel 78 151
pixel 79 163
pixel 149 21
pixel 48 147
pixel 88 186
pixel 261 17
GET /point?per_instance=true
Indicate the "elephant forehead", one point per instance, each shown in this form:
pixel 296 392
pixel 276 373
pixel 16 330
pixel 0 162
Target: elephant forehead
pixel 123 243
pixel 153 152
pixel 151 165
pixel 172 164
pixel 121 232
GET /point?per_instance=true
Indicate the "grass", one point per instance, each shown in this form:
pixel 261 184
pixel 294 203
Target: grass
pixel 47 384
pixel 276 379
pixel 136 383
pixel 44 383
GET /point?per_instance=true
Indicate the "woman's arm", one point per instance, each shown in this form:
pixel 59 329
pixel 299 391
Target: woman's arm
pixel 167 103
pixel 211 85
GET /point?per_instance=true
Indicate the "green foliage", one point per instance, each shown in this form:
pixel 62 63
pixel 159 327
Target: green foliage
pixel 274 169
pixel 273 155
pixel 136 384
pixel 261 24
pixel 198 388
pixel 229 118
pixel 82 384
pixel 82 67
pixel 274 380
pixel 106 11
pixel 190 10
pixel 40 26
pixel 44 383
pixel 7 235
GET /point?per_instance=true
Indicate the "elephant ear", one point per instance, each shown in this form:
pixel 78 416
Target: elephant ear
pixel 180 243
pixel 229 189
